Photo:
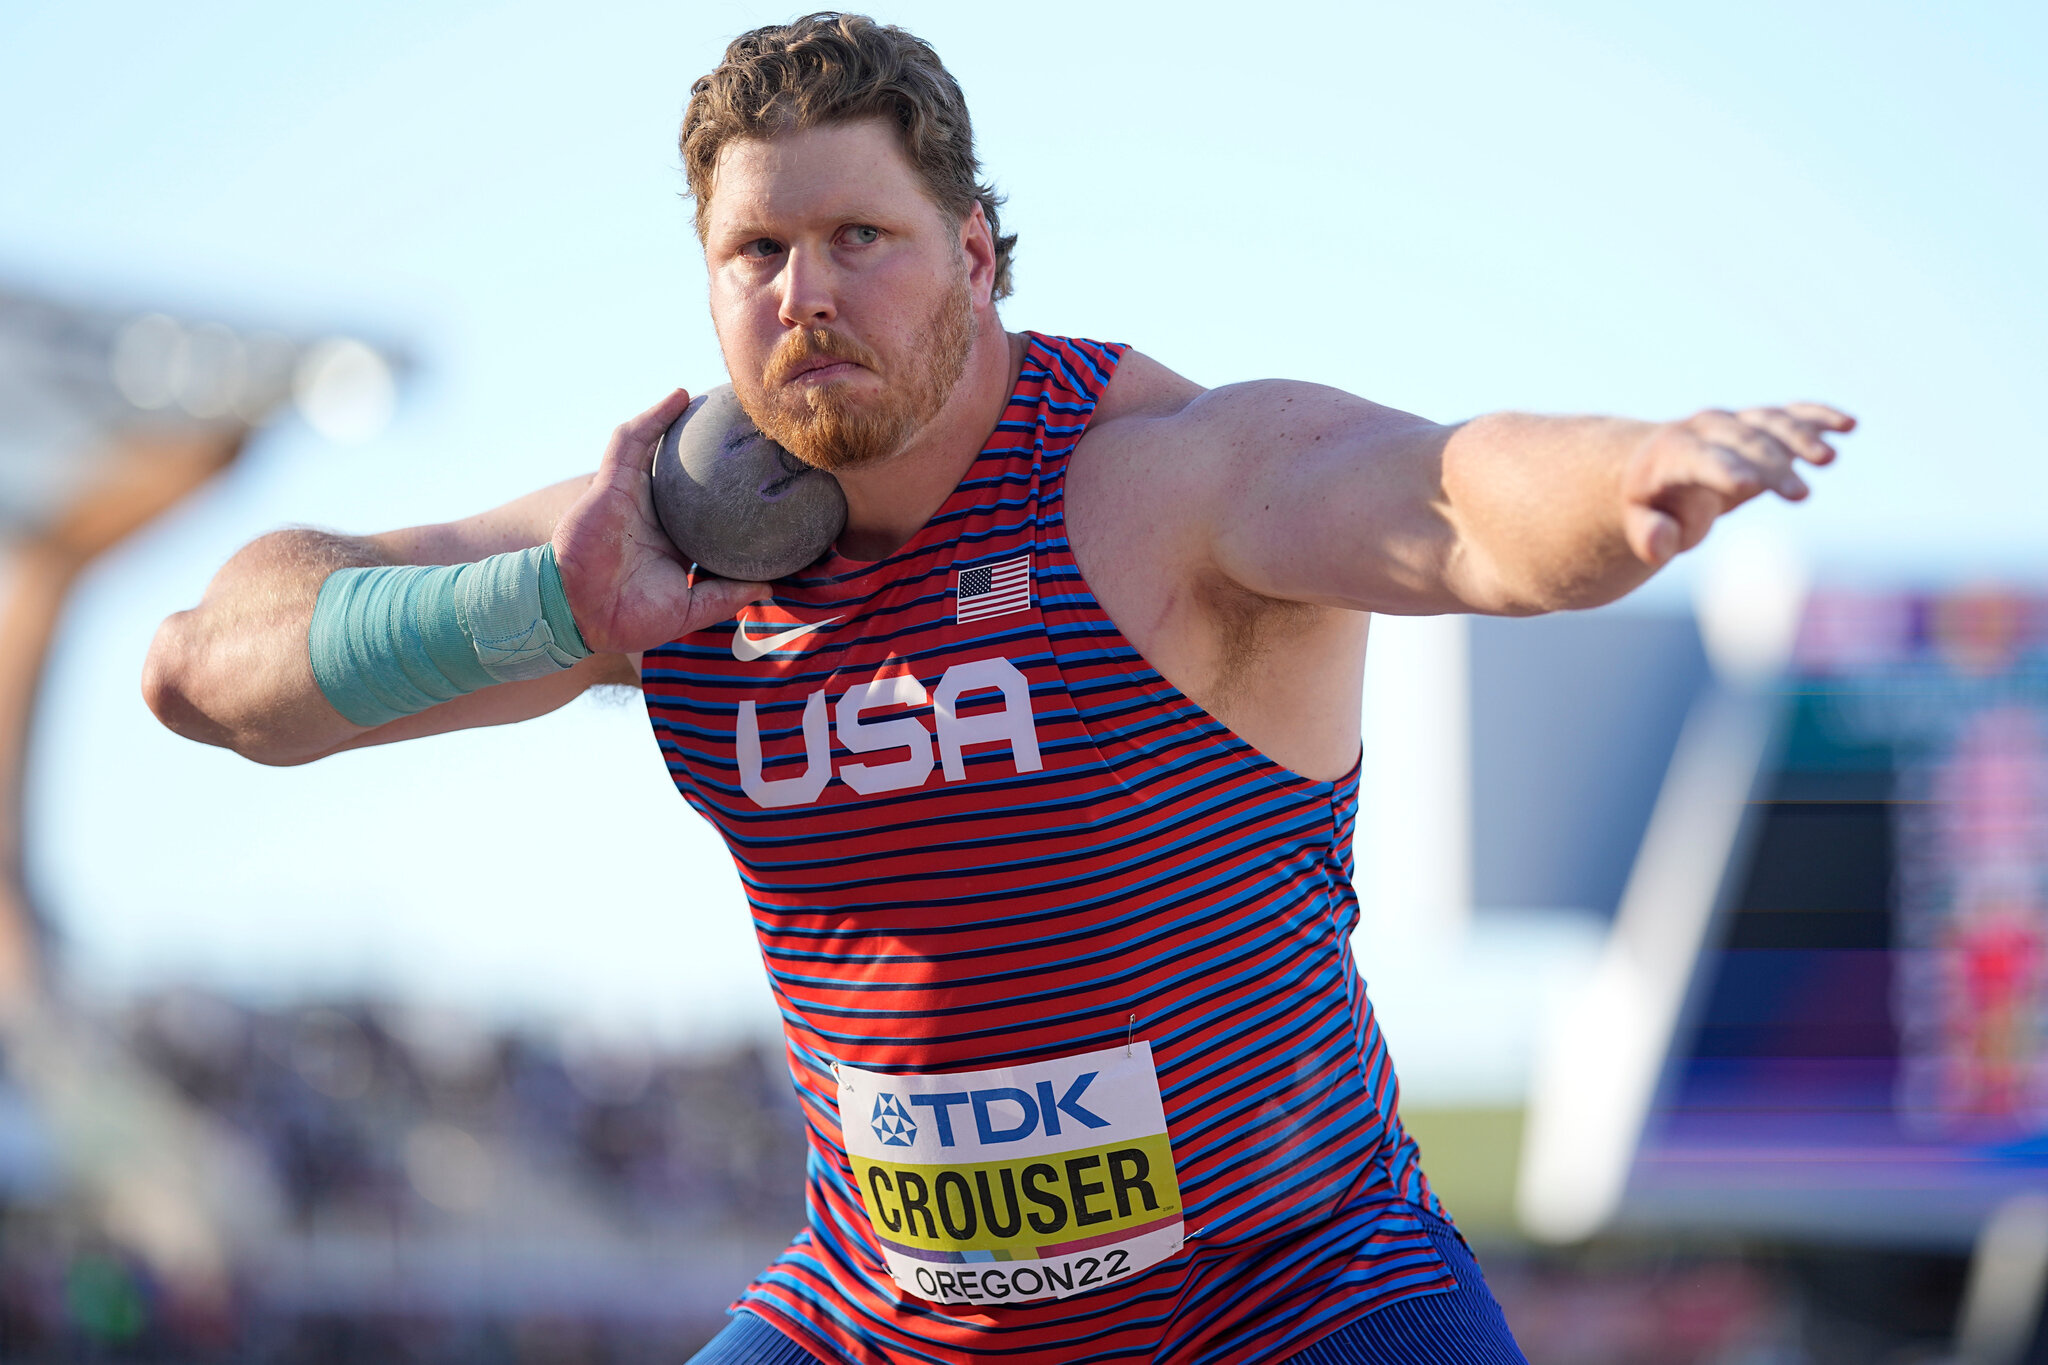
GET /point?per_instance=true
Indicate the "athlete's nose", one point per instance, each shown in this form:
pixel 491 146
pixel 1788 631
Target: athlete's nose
pixel 806 299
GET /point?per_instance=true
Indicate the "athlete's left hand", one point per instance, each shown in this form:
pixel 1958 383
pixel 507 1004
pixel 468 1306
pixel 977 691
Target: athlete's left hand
pixel 1689 473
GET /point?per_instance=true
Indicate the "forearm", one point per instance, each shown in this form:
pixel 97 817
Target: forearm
pixel 1312 495
pixel 305 646
pixel 455 625
pixel 234 670
pixel 1537 507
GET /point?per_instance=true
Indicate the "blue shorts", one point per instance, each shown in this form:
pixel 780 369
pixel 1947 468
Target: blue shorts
pixel 1462 1327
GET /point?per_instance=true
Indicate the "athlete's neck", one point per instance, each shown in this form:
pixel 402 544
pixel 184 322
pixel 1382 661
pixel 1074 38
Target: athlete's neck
pixel 888 503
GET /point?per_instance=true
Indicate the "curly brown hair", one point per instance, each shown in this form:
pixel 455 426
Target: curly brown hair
pixel 831 68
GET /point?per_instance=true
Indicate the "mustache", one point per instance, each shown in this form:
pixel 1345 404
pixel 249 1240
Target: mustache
pixel 805 345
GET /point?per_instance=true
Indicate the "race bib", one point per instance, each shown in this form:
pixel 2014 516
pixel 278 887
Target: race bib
pixel 1021 1183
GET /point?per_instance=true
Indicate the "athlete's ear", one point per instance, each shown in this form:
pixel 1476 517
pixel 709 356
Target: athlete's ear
pixel 980 249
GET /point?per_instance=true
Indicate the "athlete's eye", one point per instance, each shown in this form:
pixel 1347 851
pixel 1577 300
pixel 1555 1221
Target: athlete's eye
pixel 761 248
pixel 864 235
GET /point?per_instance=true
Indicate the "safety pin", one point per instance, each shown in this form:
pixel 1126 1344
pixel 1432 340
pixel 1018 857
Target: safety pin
pixel 1130 1033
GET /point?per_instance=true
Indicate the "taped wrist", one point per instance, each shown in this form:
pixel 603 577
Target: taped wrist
pixel 391 641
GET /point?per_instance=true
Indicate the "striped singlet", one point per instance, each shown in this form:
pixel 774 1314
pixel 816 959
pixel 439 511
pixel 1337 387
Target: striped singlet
pixel 1063 963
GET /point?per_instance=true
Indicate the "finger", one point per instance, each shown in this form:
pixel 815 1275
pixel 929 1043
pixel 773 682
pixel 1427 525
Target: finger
pixel 1822 416
pixel 763 592
pixel 1746 435
pixel 1773 460
pixel 714 599
pixel 1652 535
pixel 1802 438
pixel 1749 442
pixel 637 436
pixel 657 418
pixel 1718 468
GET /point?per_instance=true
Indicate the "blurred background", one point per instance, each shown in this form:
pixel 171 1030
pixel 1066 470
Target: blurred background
pixel 1710 930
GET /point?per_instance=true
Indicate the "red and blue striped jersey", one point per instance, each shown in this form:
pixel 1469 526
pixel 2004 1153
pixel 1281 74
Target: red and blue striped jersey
pixel 980 832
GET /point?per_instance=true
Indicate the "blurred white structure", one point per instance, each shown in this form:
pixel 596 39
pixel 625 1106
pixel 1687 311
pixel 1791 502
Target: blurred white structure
pixel 1415 787
pixel 345 390
pixel 1749 597
pixel 1601 1058
pixel 2008 1282
pixel 1509 769
pixel 108 418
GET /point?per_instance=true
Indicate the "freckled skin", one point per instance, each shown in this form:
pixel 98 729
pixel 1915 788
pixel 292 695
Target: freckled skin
pixel 734 502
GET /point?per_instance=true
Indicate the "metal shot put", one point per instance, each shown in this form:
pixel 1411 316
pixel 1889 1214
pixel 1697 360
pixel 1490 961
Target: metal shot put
pixel 734 502
pixel 1022 677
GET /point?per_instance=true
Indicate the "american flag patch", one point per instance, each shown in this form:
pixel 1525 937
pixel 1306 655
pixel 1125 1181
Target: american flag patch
pixel 992 589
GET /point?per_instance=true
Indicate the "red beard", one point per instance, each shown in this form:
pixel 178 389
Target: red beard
pixel 826 425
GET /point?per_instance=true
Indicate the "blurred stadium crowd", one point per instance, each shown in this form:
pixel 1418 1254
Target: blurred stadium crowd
pixel 402 1119
pixel 415 1186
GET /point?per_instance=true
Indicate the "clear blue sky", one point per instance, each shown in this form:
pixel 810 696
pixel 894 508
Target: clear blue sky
pixel 1449 207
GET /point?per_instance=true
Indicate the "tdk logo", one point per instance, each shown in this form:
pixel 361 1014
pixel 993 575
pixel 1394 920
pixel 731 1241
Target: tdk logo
pixel 893 1125
pixel 1000 1114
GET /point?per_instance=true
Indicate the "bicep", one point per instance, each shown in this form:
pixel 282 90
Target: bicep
pixel 1316 495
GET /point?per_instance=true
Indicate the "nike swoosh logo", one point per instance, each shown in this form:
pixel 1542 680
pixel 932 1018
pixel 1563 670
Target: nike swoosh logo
pixel 746 648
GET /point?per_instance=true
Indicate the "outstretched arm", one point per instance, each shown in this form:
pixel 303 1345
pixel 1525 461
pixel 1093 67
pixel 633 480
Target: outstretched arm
pixel 1322 497
pixel 235 670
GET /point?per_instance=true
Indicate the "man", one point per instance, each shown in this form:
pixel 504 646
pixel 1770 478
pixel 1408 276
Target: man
pixel 1041 781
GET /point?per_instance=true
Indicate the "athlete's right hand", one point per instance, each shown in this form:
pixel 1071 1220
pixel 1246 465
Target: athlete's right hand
pixel 628 588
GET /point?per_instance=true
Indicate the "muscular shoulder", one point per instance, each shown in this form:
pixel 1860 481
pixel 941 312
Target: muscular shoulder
pixel 1153 492
pixel 1223 482
pixel 1144 388
pixel 1281 411
pixel 1217 445
pixel 1197 446
pixel 1159 462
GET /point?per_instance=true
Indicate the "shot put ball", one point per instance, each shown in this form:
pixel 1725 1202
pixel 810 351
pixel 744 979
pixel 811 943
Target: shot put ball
pixel 735 502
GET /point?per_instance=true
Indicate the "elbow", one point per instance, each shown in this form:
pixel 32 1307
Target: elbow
pixel 1543 600
pixel 1503 586
pixel 166 674
pixel 175 690
pixel 1491 585
pixel 1542 595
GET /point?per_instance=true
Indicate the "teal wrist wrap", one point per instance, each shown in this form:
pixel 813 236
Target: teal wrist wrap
pixel 390 641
